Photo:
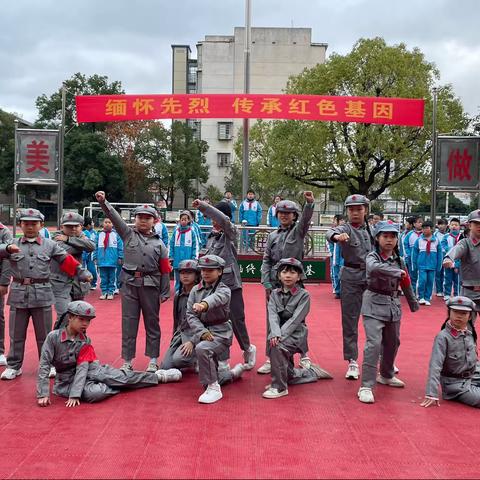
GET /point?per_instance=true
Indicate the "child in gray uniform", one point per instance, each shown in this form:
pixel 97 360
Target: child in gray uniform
pixel 288 307
pixel 381 310
pixel 454 362
pixel 79 374
pixel 209 328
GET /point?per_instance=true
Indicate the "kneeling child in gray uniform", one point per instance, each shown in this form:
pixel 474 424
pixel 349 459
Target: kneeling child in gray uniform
pixel 80 376
pixel 288 307
pixel 454 363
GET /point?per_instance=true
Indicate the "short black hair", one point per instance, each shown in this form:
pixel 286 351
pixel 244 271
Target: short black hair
pixel 411 220
pixel 250 191
pixel 87 221
pixel 378 214
pixel 454 219
pixel 442 221
pixel 339 217
pixel 427 223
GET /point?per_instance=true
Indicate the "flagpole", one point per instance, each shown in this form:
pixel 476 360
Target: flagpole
pixel 246 133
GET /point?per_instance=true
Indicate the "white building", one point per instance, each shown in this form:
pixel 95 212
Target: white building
pixel 276 54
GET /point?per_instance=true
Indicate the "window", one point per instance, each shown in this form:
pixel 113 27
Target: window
pixel 223 159
pixel 225 130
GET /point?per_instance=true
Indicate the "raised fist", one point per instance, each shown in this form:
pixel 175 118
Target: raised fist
pixel 100 196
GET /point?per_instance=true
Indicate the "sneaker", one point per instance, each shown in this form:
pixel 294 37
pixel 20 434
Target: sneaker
pixel 10 373
pixel 103 296
pixel 52 373
pixel 320 372
pixel 127 367
pixel 305 362
pixel 365 395
pixel 446 298
pixel 439 294
pixel 395 369
pixel 422 301
pixel 212 394
pixel 110 296
pixel 353 371
pixel 116 292
pixel 427 303
pixel 274 393
pixel 391 382
pixel 265 368
pixel 3 360
pixel 250 357
pixel 152 367
pixel 223 365
pixel 93 288
pixel 237 370
pixel 170 375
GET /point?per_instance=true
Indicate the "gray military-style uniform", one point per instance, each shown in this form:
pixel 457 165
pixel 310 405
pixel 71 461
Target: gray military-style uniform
pixel 144 285
pixel 65 288
pixel 382 311
pixel 86 380
pixel 468 251
pixel 216 321
pixel 31 292
pixel 223 244
pixel 284 243
pixel 5 238
pixel 353 281
pixel 287 311
pixel 454 365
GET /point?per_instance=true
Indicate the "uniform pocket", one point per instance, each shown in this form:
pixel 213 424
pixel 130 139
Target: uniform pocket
pixel 43 257
pixel 17 294
pixel 17 257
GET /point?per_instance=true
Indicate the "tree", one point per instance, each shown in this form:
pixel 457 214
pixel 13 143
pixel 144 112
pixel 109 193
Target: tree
pixel 50 108
pixel 90 167
pixel 7 151
pixel 364 158
pixel 175 159
pixel 214 194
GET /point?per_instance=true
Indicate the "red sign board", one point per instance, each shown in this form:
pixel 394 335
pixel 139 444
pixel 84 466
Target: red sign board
pixel 381 110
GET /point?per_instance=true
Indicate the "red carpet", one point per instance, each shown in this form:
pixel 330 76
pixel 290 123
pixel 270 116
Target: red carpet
pixel 319 431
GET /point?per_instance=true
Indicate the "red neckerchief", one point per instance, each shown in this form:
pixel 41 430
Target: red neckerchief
pixel 181 232
pixel 454 331
pixel 474 240
pixel 429 244
pixel 356 225
pixel 385 257
pixel 105 240
pixel 455 237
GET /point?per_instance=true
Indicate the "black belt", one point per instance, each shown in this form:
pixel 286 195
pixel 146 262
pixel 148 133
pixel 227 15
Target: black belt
pixel 383 292
pixel 475 288
pixel 358 266
pixel 31 281
pixel 462 375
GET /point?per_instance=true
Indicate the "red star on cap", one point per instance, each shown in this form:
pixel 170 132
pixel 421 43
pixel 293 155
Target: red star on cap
pixel 30 212
pixel 145 206
pixel 354 197
pixel 70 215
pixel 460 300
pixel 207 260
pixel 87 311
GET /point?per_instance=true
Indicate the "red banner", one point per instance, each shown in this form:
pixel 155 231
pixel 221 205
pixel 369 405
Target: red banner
pixel 115 108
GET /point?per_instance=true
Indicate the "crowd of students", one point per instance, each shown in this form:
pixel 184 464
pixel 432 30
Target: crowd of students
pixel 372 266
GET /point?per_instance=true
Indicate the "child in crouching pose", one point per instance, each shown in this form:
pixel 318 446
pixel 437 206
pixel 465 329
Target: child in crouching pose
pixel 382 311
pixel 288 307
pixel 454 362
pixel 79 374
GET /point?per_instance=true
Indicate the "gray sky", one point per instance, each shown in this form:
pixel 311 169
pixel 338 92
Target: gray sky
pixel 43 42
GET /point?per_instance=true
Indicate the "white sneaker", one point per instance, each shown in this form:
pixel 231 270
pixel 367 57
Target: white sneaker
pixel 103 296
pixel 170 375
pixel 274 393
pixel 365 395
pixel 353 371
pixel 305 362
pixel 212 394
pixel 250 357
pixel 223 365
pixel 446 298
pixel 110 296
pixel 439 294
pixel 93 288
pixel 395 369
pixel 152 367
pixel 10 374
pixel 391 382
pixel 52 373
pixel 116 292
pixel 3 360
pixel 427 303
pixel 422 301
pixel 237 370
pixel 127 367
pixel 265 368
